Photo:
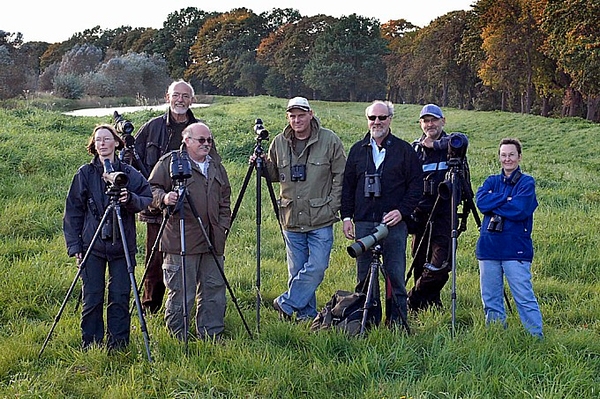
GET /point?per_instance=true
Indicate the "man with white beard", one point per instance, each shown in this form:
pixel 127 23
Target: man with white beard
pixel 155 138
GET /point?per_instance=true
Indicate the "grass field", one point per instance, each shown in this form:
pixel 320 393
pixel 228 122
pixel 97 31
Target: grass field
pixel 40 151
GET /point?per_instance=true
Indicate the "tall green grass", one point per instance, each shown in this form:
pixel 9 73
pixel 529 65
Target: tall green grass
pixel 41 150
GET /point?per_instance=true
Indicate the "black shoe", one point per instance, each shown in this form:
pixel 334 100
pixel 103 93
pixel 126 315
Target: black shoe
pixel 282 314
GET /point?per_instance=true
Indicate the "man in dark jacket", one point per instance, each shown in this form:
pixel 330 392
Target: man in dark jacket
pixel 432 217
pixel 382 184
pixel 157 137
pixel 86 204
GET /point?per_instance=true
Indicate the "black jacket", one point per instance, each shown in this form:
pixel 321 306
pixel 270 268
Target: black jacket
pixel 435 169
pixel 87 202
pixel 401 180
pixel 151 143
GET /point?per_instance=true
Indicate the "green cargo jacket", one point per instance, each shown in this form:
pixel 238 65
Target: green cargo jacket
pixel 313 203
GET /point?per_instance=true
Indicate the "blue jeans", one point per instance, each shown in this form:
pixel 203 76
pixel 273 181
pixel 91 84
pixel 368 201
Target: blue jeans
pixel 518 276
pixel 307 258
pixel 393 250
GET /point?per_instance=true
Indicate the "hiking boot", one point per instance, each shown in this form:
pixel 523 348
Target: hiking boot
pixel 282 314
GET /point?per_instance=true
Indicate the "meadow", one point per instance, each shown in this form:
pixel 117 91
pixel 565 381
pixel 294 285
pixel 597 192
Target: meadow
pixel 40 150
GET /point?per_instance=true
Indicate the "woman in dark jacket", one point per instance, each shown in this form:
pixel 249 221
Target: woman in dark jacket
pixel 90 194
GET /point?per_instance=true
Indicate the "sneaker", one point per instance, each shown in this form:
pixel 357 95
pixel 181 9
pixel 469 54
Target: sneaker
pixel 282 314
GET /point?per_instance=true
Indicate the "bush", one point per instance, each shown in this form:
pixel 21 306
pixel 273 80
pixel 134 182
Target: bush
pixel 69 86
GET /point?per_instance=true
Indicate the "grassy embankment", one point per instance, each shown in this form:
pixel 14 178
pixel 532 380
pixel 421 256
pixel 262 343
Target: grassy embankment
pixel 41 150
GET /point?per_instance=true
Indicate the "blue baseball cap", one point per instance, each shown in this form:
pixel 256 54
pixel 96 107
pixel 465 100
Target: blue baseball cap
pixel 433 110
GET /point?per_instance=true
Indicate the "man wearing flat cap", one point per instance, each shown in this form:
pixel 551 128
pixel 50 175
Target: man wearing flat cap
pixel 308 162
pixel 432 218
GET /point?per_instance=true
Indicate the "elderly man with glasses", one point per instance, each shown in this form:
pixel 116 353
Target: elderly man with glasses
pixel 382 184
pixel 207 188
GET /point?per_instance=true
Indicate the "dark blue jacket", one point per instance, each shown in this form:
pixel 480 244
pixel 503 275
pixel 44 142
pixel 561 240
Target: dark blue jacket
pixel 87 202
pixel 401 180
pixel 513 199
pixel 435 168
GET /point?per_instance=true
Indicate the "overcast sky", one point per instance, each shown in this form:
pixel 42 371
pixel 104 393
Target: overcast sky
pixel 57 20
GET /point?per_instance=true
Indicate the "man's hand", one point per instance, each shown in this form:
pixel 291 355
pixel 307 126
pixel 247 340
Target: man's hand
pixel 392 218
pixel 171 198
pixel 348 229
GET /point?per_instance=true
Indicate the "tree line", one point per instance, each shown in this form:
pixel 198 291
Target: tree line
pixel 527 56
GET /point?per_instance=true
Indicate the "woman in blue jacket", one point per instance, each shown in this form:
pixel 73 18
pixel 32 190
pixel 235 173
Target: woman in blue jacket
pixel 505 248
pixel 86 204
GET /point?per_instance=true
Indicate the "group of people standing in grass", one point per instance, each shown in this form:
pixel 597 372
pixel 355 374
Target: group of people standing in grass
pixel 382 180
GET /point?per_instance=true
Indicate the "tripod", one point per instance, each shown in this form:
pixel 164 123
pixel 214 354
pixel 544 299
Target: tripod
pixel 374 267
pixel 258 165
pixel 180 172
pixel 113 210
pixel 460 192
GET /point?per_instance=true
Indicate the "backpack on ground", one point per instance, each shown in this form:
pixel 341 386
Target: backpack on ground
pixel 344 312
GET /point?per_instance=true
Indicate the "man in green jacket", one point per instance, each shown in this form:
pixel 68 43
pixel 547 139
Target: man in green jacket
pixel 308 162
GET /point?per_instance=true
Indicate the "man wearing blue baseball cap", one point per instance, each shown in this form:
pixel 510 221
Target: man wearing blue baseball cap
pixel 431 221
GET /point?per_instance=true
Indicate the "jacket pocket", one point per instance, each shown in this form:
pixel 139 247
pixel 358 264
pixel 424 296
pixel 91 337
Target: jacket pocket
pixel 286 214
pixel 320 211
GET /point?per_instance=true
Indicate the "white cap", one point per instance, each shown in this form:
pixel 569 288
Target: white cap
pixel 298 102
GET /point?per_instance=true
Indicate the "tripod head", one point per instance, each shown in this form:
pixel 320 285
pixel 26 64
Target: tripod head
pixel 261 134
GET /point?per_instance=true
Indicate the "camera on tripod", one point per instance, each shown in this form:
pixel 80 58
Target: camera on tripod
pixel 122 125
pixel 457 147
pixel 365 243
pixel 114 179
pixel 259 129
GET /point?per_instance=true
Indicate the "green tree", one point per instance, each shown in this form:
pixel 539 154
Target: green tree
pixel 286 51
pixel 347 61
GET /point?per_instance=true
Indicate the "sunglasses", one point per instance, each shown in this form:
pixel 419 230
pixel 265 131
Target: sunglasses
pixel 380 117
pixel 203 140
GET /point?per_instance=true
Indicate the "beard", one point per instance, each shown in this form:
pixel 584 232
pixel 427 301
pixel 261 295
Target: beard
pixel 378 132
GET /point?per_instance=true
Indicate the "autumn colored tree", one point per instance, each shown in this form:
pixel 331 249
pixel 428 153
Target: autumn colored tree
pixel 399 35
pixel 178 34
pixel 574 42
pixel 221 43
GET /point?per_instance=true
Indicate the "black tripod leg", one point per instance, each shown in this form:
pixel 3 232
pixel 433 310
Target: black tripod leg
pixel 182 191
pixel 395 302
pixel 79 271
pixel 131 272
pixel 373 268
pixel 240 197
pixel 219 266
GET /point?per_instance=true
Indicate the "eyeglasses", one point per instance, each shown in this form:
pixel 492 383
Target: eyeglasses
pixel 380 117
pixel 184 96
pixel 202 140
